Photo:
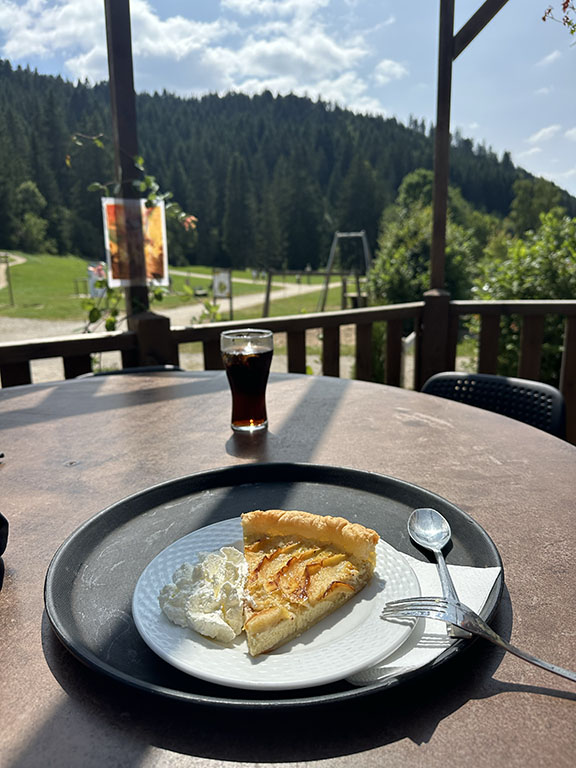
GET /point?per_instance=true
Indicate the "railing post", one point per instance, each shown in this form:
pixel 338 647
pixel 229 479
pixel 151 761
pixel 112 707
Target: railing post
pixel 155 345
pixel 433 348
pixel 568 377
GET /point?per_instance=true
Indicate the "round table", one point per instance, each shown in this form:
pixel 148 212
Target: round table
pixel 73 448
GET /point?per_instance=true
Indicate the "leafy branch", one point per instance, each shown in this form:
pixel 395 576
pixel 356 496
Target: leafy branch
pixel 105 306
pixel 147 186
pixel 569 15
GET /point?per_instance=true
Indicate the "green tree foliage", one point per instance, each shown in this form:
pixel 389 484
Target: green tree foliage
pixel 29 199
pixel 238 231
pixel 310 168
pixel 539 265
pixel 401 270
pixel 531 198
pixel 31 226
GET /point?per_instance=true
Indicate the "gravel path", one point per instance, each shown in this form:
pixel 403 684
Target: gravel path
pixel 22 329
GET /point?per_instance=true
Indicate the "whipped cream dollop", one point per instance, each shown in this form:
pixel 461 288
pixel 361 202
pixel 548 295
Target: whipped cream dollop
pixel 208 596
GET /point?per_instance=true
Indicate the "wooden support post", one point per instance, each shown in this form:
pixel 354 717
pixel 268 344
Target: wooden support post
pixel 266 308
pixel 442 144
pixel 76 365
pixel 488 347
pixel 449 47
pixel 568 377
pixel 123 105
pixel 452 341
pixel 212 355
pixel 394 353
pixel 364 351
pixel 296 341
pixel 433 348
pixel 15 374
pixel 155 346
pixel 531 338
pixel 331 351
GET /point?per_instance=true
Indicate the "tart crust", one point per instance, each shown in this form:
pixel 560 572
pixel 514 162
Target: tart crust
pixel 301 567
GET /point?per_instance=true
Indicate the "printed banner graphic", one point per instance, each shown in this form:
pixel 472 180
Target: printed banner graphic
pixel 130 228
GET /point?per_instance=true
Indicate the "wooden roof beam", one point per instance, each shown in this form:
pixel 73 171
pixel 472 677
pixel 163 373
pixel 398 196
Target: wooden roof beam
pixel 476 24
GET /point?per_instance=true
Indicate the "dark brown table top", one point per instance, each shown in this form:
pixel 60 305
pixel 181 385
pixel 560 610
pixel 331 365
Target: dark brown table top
pixel 73 448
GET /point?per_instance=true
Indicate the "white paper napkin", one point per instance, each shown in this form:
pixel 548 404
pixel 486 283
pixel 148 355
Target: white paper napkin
pixel 430 638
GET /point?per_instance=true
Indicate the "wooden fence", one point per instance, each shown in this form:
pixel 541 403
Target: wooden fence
pixel 435 320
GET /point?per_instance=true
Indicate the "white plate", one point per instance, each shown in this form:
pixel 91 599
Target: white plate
pixel 351 638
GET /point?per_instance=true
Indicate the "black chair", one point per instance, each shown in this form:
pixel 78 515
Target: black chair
pixel 532 402
pixel 141 369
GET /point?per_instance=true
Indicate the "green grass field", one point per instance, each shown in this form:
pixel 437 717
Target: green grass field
pixel 47 288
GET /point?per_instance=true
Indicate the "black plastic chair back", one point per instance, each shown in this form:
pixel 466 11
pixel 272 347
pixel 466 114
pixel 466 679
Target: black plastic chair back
pixel 140 369
pixel 532 402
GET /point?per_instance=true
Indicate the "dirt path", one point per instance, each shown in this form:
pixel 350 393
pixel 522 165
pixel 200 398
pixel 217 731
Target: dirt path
pixel 22 329
pixel 12 259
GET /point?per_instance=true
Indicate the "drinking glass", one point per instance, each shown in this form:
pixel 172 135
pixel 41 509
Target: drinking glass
pixel 247 354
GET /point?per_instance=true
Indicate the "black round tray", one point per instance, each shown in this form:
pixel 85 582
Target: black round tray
pixel 91 579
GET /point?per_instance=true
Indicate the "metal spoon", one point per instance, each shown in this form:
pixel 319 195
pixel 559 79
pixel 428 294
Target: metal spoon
pixel 428 528
pixel 431 530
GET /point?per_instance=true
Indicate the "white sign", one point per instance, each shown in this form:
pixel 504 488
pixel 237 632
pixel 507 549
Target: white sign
pixel 222 284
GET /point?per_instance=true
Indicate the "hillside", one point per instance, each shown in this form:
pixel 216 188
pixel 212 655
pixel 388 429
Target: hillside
pixel 269 178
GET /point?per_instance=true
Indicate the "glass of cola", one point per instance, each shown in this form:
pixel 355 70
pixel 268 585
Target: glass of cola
pixel 247 354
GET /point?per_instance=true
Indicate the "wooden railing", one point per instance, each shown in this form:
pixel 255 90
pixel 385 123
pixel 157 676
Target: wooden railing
pixel 435 321
pixel 154 341
pixel 295 327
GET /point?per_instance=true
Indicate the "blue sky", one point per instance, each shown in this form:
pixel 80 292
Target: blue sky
pixel 513 87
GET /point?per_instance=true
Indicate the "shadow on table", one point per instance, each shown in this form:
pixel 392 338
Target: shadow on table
pixel 313 407
pixel 89 396
pixel 129 722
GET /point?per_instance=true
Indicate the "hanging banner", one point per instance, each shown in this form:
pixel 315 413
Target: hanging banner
pixel 130 228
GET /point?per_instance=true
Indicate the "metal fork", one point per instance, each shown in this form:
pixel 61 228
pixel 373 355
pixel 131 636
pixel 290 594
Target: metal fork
pixel 461 616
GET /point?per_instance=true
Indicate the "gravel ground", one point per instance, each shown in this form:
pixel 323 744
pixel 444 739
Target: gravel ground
pixel 51 369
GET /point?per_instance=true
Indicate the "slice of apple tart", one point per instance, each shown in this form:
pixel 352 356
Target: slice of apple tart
pixel 301 567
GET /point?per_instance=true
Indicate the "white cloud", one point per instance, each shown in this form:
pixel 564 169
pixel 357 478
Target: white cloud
pixel 316 55
pixel 275 7
pixel 544 134
pixel 32 28
pixel 285 46
pixel 388 70
pixel 550 59
pixel 562 177
pixel 571 134
pixel 529 153
pixel 546 91
pixel 345 90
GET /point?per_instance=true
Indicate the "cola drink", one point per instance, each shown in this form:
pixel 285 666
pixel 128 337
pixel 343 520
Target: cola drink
pixel 247 355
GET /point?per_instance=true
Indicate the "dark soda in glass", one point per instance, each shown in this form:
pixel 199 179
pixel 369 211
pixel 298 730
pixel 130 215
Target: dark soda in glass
pixel 247 363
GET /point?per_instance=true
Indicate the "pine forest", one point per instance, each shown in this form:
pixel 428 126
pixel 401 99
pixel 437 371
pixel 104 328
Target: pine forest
pixel 269 178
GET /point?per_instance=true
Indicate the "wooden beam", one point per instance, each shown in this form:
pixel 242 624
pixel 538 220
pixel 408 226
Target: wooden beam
pixel 476 24
pixel 442 145
pixel 123 106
